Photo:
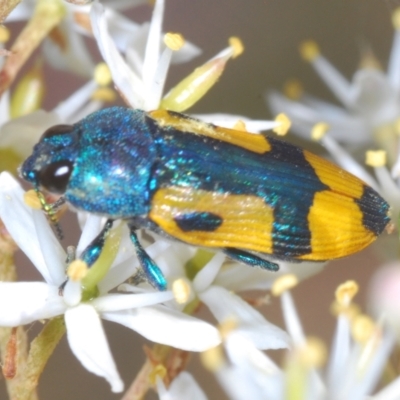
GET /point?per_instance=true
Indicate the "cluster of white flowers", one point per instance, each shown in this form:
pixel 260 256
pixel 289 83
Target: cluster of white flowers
pixel 137 58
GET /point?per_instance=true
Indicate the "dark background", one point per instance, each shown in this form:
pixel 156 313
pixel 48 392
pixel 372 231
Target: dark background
pixel 271 31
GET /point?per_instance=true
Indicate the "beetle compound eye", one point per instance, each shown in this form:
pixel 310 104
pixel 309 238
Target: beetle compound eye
pixel 55 177
pixel 57 130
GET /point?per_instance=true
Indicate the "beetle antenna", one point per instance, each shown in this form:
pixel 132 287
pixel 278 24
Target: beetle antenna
pixel 51 210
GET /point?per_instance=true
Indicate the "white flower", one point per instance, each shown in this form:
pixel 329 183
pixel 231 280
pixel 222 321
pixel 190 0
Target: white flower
pixel 141 79
pixel 140 72
pixel 370 103
pixel 216 293
pixel 359 353
pixel 25 302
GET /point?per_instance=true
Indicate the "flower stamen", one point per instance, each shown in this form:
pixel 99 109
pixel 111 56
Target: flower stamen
pixel 309 50
pixel 77 270
pixel 345 292
pixel 375 158
pixel 182 290
pixel 283 124
pixel 174 41
pixel 319 130
pixel 284 283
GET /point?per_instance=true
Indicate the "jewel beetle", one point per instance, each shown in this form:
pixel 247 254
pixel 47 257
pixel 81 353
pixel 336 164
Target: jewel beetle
pixel 247 194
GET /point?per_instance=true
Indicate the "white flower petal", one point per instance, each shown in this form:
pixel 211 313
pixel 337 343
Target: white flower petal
pixel 182 387
pixel 251 324
pixel 25 302
pixel 374 98
pixel 72 55
pixel 18 219
pixel 152 51
pixel 206 275
pixel 127 82
pixel 52 251
pixel 4 110
pixel 118 302
pixel 186 53
pixel 292 320
pixel 389 392
pixel 258 371
pixel 88 342
pixel 163 325
pixel 240 383
pixel 91 229
pixel 306 113
pixel 72 293
pixel 229 121
pixel 121 29
pixel 394 62
pixel 238 277
pixel 336 82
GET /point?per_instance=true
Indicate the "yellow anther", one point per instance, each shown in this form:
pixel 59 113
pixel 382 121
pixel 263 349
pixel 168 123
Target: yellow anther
pixel 77 270
pixel 283 283
pixel 345 292
pixel 4 34
pixel 213 359
pixel 362 328
pixel 227 326
pixel 32 200
pixel 293 89
pixel 396 18
pixel 309 50
pixel 240 126
pixel 182 290
pixel 236 45
pixel 319 130
pixel 313 354
pixel 105 94
pixel 102 74
pixel 283 124
pixel 174 41
pixel 375 158
pixel 159 371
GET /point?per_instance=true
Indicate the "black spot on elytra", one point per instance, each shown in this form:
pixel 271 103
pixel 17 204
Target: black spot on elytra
pixel 198 221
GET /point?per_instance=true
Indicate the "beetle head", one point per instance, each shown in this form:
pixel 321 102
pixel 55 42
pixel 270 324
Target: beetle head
pixel 52 160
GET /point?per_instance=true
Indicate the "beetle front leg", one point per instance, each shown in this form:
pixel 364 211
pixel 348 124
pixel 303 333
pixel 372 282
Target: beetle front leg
pixel 93 251
pixel 151 271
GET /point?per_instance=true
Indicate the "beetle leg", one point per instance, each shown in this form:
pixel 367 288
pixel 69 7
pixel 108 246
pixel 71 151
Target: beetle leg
pixel 91 253
pixel 250 259
pixel 150 269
